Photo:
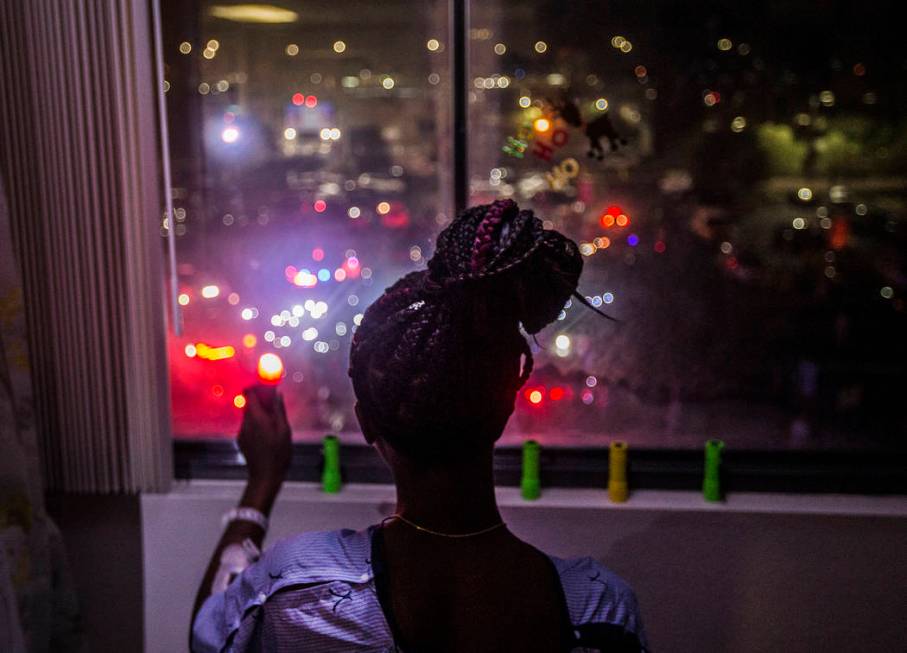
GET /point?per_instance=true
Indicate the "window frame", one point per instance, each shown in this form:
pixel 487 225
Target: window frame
pixel 753 470
pixel 816 472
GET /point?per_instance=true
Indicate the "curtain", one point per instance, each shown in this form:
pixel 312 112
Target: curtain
pixel 78 153
pixel 38 610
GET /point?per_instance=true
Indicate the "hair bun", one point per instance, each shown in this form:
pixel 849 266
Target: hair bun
pixel 501 256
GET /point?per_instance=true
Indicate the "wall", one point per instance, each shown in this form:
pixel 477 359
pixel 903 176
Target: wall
pixel 103 540
pixel 760 573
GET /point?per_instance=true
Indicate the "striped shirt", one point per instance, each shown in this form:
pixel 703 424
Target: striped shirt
pixel 317 592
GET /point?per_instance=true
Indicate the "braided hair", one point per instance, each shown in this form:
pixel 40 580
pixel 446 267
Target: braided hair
pixel 436 360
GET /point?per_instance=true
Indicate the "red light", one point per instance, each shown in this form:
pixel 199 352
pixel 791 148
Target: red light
pixel 317 254
pixel 534 395
pixel 840 233
pixel 614 214
pixel 290 272
pixel 298 99
pixel 311 102
pixel 218 390
pixel 396 218
pixel 557 393
pixel 270 368
pixel 660 247
pixel 320 206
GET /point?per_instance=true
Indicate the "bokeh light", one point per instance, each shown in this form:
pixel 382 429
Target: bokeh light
pixel 270 368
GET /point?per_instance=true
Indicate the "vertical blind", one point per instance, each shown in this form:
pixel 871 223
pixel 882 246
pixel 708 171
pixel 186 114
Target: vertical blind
pixel 78 152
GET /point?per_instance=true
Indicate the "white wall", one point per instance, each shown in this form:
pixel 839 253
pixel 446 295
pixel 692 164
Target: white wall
pixel 760 573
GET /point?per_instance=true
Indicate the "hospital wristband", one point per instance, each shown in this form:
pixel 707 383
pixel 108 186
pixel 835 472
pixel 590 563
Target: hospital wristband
pixel 246 514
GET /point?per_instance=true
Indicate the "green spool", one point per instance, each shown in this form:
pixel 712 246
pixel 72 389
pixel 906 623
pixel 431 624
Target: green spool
pixel 330 476
pixel 711 481
pixel 530 484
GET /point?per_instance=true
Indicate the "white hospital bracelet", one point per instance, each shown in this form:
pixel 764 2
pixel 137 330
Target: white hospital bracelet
pixel 246 514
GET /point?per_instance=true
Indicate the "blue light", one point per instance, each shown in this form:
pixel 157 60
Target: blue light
pixel 324 274
pixel 633 240
pixel 608 297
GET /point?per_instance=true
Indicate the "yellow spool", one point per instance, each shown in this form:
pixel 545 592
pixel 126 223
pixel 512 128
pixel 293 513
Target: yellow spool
pixel 617 472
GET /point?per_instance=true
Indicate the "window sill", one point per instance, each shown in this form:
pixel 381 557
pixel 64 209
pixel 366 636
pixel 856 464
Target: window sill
pixel 645 500
pixel 807 472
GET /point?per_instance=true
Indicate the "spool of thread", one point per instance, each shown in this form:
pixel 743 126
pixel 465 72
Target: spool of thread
pixel 330 475
pixel 617 472
pixel 711 480
pixel 530 484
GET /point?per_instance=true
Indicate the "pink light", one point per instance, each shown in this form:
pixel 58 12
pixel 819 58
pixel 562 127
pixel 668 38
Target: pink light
pixel 317 254
pixel 311 102
pixel 320 206
pixel 351 266
pixel 298 99
pixel 230 135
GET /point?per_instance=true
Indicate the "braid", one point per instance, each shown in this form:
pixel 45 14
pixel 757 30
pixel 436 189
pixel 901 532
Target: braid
pixel 436 359
pixel 485 244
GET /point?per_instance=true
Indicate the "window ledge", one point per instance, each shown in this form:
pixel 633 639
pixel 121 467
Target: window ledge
pixel 647 500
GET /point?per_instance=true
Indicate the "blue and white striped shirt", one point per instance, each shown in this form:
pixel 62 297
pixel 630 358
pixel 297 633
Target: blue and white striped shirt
pixel 316 592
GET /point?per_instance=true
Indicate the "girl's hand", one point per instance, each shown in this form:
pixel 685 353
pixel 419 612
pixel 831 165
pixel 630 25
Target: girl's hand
pixel 264 437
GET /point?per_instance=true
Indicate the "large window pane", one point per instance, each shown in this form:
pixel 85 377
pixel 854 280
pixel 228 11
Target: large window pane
pixel 310 171
pixel 735 174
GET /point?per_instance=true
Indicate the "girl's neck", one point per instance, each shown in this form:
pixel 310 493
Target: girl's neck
pixel 454 498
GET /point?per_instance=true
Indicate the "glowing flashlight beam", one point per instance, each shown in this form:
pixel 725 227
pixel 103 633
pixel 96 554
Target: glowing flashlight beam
pixel 270 368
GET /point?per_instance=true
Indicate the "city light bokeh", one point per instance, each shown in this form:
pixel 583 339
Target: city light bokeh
pixel 733 175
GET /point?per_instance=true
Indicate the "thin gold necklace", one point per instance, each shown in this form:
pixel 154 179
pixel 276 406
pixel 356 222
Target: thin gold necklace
pixel 431 532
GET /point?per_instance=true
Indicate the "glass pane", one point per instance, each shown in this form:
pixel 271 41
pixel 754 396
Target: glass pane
pixel 309 149
pixel 734 173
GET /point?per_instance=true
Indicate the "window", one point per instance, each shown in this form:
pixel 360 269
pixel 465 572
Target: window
pixel 732 172
pixel 310 169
